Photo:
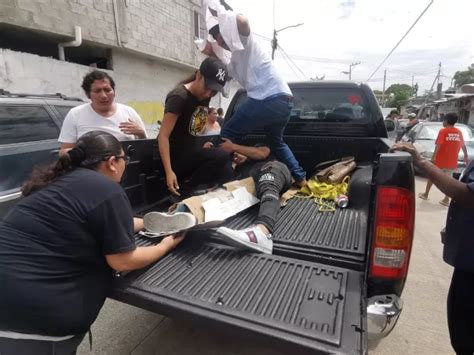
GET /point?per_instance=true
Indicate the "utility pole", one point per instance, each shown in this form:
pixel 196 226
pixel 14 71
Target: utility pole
pixel 429 92
pixel 275 41
pixel 350 69
pixel 383 90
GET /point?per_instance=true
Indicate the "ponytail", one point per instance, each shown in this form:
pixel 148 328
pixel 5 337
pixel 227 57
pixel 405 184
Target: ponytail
pixel 189 79
pixel 90 151
pixel 44 175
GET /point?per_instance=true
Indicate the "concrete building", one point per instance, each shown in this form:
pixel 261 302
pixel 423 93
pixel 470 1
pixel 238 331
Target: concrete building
pixel 146 45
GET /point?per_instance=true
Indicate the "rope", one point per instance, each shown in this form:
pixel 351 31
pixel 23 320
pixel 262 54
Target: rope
pixel 323 193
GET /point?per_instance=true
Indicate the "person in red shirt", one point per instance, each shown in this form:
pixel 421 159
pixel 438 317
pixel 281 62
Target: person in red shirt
pixel 448 144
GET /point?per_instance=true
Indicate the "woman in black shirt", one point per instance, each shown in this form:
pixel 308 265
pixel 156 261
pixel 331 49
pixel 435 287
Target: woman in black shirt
pixel 60 245
pixel 186 113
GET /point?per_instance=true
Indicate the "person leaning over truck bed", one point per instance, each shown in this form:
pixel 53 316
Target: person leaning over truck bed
pixel 60 245
pixel 269 96
pixel 102 113
pixel 458 247
pixel 271 178
pixel 186 114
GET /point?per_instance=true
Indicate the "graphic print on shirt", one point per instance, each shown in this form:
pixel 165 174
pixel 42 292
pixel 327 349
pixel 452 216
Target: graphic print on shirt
pixel 453 137
pixel 198 120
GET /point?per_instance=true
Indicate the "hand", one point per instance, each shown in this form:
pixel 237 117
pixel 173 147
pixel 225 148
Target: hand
pixel 208 50
pixel 172 183
pixel 170 242
pixel 239 158
pixel 466 161
pixel 228 146
pixel 409 148
pixel 208 145
pixel 132 127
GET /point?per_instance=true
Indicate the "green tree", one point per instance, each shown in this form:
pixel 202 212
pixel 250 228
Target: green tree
pixel 398 95
pixel 464 77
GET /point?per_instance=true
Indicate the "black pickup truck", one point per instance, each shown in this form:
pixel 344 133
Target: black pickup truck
pixel 335 279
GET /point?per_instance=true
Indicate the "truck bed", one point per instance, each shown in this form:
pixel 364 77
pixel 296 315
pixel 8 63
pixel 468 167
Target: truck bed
pixel 307 294
pixel 296 303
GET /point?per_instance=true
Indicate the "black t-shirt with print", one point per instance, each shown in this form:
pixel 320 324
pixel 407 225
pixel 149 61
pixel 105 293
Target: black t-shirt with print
pixel 192 118
pixel 53 273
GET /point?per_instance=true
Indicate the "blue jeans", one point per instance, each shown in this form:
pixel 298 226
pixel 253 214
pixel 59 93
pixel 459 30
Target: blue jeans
pixel 273 115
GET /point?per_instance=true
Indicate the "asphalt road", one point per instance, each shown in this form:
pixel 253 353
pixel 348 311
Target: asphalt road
pixel 422 327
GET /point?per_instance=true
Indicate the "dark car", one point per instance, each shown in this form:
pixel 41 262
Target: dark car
pixel 29 131
pixel 424 136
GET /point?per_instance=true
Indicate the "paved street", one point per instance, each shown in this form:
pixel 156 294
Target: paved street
pixel 422 329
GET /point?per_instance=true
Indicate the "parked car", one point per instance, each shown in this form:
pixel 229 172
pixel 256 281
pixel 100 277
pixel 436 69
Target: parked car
pixel 29 131
pixel 424 136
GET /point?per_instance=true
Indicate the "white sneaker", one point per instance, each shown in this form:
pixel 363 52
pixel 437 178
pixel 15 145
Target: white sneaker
pixel 250 238
pixel 160 224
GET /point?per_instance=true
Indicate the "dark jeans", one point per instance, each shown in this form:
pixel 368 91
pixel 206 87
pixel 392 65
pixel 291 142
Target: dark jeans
pixel 461 312
pixel 271 179
pixel 204 166
pixel 40 347
pixel 273 115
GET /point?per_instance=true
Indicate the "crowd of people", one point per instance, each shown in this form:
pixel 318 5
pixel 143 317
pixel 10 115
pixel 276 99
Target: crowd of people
pixel 75 225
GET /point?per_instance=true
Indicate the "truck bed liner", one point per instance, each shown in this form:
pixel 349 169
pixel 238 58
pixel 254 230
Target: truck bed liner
pixel 296 302
pixel 301 226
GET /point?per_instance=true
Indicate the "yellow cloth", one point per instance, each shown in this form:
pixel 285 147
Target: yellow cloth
pixel 323 193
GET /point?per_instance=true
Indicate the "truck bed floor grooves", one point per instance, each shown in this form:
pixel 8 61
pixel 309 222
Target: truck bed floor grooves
pixel 303 300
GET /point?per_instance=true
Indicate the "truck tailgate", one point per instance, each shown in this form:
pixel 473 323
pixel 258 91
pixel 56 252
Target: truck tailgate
pixel 296 303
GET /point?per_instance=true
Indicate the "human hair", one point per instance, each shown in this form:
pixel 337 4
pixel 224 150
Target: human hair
pixel 211 109
pixel 451 118
pixel 90 150
pixel 220 111
pixel 94 75
pixel 393 112
pixel 188 79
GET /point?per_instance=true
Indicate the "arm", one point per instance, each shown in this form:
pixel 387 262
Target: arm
pixel 167 126
pixel 466 156
pixel 433 158
pixel 65 147
pixel 137 224
pixel 142 256
pixel 453 188
pixel 243 25
pixel 254 153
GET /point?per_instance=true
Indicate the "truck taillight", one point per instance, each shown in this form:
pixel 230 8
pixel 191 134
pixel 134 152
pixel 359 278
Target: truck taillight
pixel 393 234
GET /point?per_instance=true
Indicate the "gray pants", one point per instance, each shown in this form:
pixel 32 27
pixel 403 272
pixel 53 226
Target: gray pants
pixel 40 347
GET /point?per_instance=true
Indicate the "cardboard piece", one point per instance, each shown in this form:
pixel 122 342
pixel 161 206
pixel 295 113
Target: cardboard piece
pixel 213 208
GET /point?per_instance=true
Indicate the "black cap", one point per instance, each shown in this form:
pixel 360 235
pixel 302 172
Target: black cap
pixel 214 73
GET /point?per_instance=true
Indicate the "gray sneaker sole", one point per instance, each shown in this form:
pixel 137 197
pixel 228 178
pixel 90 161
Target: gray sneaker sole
pixel 163 224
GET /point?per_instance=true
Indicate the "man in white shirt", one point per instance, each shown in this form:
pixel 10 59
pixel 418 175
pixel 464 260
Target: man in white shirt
pixel 102 113
pixel 269 97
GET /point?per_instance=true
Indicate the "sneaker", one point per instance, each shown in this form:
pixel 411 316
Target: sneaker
pixel 423 196
pixel 160 223
pixel 444 202
pixel 250 238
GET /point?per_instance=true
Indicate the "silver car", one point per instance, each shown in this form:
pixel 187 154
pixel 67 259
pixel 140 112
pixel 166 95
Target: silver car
pixel 424 135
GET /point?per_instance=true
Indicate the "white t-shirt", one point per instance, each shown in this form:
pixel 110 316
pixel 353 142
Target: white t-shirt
pixel 253 68
pixel 82 119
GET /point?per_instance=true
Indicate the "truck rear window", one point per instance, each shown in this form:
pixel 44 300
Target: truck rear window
pixel 326 105
pixel 336 105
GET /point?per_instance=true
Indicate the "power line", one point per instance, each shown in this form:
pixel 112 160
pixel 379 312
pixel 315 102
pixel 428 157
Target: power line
pixel 291 60
pixel 289 64
pixel 400 41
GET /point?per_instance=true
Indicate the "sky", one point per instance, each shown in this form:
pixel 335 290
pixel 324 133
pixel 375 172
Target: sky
pixel 336 33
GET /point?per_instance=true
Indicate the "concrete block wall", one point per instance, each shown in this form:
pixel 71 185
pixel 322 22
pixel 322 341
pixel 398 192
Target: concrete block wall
pixel 159 28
